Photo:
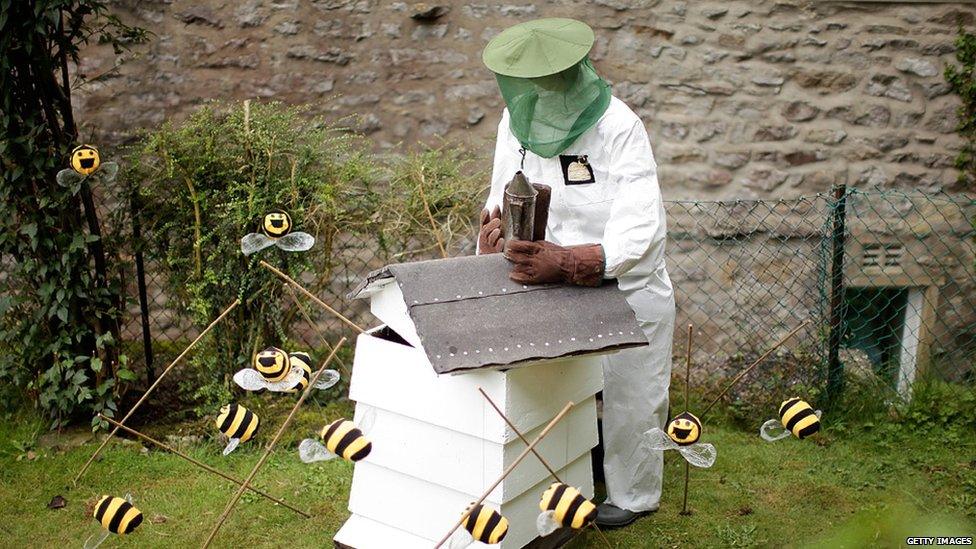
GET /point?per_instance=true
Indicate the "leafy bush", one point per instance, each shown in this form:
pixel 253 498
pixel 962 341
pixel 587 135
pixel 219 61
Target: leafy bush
pixel 206 182
pixel 432 204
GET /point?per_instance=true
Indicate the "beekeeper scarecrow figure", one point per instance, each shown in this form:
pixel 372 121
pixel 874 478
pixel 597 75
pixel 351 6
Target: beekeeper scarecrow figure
pixel 563 128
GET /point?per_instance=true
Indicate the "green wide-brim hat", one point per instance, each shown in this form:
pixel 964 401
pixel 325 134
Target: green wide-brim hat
pixel 538 48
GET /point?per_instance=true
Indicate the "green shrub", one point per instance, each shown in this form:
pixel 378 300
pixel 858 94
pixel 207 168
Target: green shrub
pixel 206 182
pixel 432 204
pixel 202 184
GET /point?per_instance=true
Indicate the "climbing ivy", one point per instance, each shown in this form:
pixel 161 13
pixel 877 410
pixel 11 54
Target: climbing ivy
pixel 962 80
pixel 60 308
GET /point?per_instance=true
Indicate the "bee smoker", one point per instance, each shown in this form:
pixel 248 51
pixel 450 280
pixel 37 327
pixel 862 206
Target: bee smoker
pixel 518 209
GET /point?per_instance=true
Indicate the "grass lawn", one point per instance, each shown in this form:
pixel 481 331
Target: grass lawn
pixel 757 494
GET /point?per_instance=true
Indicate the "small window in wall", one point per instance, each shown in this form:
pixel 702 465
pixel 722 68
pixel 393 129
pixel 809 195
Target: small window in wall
pixel 874 320
pixel 889 325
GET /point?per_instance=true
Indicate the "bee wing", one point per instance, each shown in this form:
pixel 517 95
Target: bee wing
pixel 96 539
pixel 232 445
pixel 700 454
pixel 128 497
pixel 327 379
pixel 460 540
pixel 546 523
pixel 818 413
pixel 251 380
pixel 68 177
pixel 295 242
pixel 107 171
pixel 773 430
pixel 255 242
pixel 657 439
pixel 366 418
pixel 311 450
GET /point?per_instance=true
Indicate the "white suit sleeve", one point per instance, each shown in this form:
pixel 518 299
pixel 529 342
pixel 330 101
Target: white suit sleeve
pixel 507 162
pixel 636 218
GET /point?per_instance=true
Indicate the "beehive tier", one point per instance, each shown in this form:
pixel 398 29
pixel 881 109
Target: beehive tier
pixel 437 444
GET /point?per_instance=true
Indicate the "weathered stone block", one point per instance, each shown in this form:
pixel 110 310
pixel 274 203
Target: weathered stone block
pixel 800 111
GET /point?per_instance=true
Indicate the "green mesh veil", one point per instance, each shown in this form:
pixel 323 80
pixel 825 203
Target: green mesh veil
pixel 548 113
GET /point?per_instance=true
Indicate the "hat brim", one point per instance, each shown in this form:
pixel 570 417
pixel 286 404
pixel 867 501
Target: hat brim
pixel 538 48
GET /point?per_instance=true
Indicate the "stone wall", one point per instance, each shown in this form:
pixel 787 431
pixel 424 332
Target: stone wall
pixel 741 98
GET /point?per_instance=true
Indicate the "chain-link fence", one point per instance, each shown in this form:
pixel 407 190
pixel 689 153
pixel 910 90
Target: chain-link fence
pixel 886 281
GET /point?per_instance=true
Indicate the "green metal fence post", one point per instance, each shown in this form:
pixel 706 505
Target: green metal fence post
pixel 835 373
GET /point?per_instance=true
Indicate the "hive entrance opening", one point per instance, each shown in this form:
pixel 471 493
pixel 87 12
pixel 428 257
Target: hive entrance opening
pixel 388 334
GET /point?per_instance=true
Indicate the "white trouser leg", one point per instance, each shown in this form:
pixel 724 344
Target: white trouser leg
pixel 635 399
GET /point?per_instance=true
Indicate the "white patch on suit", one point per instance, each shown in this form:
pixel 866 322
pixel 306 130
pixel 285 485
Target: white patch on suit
pixel 622 210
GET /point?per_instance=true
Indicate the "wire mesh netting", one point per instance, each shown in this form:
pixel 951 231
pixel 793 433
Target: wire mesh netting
pixel 909 296
pixel 745 273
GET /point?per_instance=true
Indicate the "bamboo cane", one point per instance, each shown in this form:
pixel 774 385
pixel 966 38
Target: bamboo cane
pixel 314 327
pixel 311 296
pixel 267 451
pixel 753 365
pixel 536 454
pixel 202 465
pixel 153 386
pixel 691 332
pixel 507 471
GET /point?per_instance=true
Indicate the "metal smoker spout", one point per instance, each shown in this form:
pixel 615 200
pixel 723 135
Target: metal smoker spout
pixel 518 209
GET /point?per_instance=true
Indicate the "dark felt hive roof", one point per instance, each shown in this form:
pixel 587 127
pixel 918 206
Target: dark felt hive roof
pixel 470 315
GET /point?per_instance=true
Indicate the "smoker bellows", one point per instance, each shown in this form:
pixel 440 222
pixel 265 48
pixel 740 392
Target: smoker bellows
pixel 436 443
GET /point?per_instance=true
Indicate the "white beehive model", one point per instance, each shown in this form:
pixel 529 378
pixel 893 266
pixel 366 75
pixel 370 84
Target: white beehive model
pixel 437 443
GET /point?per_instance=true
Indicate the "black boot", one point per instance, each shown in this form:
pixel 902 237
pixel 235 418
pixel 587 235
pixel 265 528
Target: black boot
pixel 609 516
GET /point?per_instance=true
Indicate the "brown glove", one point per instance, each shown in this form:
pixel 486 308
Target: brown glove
pixel 490 239
pixel 543 262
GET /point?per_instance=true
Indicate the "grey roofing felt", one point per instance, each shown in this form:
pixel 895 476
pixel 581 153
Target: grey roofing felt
pixel 469 314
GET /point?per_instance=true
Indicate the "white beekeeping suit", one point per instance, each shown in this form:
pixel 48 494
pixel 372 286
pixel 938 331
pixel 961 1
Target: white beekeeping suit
pixel 562 128
pixel 622 210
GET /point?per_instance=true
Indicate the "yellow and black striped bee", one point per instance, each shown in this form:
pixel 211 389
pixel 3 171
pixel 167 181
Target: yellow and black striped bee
pixel 276 230
pixel 483 524
pixel 796 417
pixel 238 424
pixel 85 159
pixel 562 505
pixel 117 516
pixel 85 162
pixel 683 434
pixel 281 372
pixel 344 439
pixel 303 362
pixel 341 438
